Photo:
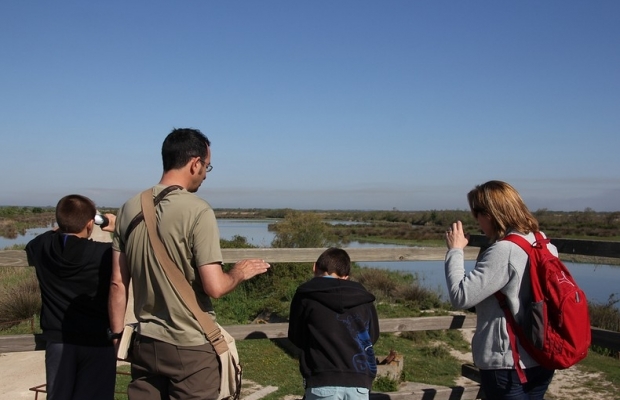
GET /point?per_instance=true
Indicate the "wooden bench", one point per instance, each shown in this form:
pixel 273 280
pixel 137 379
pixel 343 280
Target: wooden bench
pixel 413 391
pixel 38 389
pixel 470 371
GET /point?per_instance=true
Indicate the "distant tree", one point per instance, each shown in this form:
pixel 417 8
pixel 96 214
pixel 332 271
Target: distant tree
pixel 277 213
pixel 9 211
pixel 302 230
pixel 237 242
pixel 613 219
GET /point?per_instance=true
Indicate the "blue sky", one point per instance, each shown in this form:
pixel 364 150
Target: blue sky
pixel 314 104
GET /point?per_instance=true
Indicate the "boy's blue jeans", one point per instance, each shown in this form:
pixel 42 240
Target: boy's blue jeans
pixel 336 393
pixel 504 384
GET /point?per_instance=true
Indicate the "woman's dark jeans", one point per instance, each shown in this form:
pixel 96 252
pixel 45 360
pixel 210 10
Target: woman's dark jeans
pixel 504 384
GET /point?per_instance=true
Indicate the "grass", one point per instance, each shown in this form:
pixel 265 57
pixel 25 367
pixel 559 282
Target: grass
pixel 264 361
pixel 11 276
pixel 21 327
pixel 426 355
pixel 426 359
pixel 271 363
pixel 609 367
pixel 268 363
pixel 122 380
pixel 20 299
pixel 16 247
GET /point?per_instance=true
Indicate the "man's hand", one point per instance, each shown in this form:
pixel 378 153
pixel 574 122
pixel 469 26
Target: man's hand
pixel 249 268
pixel 216 282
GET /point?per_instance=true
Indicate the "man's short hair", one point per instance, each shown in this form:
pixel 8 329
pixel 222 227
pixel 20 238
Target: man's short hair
pixel 181 145
pixel 334 261
pixel 73 212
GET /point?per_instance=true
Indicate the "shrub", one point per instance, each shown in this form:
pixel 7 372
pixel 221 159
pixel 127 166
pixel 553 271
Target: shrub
pixel 384 384
pixel 416 337
pixel 377 282
pixel 606 316
pixel 398 287
pixel 440 351
pixel 266 294
pixel 237 242
pixel 424 298
pixel 302 230
pixel 20 301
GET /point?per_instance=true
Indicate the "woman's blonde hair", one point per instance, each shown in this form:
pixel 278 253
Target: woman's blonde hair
pixel 504 205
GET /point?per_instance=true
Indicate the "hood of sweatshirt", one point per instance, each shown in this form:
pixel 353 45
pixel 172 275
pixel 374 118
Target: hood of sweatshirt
pixel 63 255
pixel 338 295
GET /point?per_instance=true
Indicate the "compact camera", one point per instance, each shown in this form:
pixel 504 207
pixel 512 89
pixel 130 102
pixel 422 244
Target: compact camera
pixel 101 220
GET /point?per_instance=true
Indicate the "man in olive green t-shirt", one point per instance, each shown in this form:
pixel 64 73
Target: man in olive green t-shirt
pixel 172 356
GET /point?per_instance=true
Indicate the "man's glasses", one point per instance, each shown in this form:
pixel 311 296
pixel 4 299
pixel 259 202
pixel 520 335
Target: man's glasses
pixel 208 167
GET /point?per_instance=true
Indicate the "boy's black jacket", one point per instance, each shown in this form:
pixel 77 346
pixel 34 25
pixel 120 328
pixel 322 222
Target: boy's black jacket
pixel 74 277
pixel 334 323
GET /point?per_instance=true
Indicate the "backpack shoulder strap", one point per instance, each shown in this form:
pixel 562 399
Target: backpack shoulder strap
pixel 521 242
pixel 513 329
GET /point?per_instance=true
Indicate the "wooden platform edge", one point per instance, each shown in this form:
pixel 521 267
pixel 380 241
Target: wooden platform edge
pixel 30 342
pixel 473 392
pixel 470 371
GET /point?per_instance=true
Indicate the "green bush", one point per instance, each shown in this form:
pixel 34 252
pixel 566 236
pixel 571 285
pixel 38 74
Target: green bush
pixel 302 230
pixel 20 301
pixel 379 282
pixel 384 384
pixel 266 294
pixel 606 316
pixel 270 293
pixel 398 288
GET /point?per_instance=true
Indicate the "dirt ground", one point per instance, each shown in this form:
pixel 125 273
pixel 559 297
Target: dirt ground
pixel 21 371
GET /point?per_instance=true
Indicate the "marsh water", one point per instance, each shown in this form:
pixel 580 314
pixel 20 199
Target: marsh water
pixel 599 281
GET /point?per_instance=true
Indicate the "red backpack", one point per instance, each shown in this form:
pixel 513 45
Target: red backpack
pixel 557 334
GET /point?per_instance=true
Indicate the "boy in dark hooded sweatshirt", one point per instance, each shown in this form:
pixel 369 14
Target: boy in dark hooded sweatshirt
pixel 334 322
pixel 74 278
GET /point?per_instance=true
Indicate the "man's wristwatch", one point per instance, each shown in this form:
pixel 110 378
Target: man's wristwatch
pixel 112 335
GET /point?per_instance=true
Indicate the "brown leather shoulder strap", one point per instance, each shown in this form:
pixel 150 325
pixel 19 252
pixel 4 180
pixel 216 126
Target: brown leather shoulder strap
pixel 177 278
pixel 138 218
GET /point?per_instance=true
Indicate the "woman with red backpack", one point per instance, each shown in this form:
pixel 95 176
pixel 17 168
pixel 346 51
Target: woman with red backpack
pixel 502 267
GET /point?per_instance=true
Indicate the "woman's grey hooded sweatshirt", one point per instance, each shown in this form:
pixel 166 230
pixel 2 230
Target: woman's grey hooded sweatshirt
pixel 502 267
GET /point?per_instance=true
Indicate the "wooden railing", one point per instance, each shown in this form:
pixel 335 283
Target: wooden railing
pixel 600 337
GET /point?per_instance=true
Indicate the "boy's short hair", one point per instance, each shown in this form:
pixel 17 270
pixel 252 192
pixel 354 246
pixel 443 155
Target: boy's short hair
pixel 73 212
pixel 334 261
